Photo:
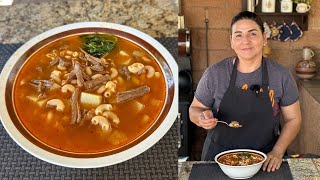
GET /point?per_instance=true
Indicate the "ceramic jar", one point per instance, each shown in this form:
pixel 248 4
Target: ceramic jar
pixel 286 6
pixel 302 7
pixel 306 69
pixel 268 6
pixel 251 4
pixel 307 53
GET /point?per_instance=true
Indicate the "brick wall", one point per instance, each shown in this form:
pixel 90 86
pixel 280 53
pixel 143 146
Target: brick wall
pixel 220 14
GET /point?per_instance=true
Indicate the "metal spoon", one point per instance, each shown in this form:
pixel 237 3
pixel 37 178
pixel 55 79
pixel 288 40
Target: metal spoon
pixel 233 124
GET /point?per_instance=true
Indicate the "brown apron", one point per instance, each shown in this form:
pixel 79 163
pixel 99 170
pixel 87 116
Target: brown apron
pixel 252 110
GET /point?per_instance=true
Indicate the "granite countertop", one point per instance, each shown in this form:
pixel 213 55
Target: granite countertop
pixel 28 18
pixel 301 168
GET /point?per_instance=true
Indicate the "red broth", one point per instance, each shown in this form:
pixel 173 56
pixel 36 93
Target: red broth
pixel 55 127
pixel 240 158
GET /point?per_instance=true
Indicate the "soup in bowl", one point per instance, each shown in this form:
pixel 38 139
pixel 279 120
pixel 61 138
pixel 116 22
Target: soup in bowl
pixel 240 163
pixel 89 94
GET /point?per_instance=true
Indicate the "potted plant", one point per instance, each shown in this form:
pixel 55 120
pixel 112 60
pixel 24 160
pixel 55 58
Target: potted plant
pixel 303 5
pixel 303 1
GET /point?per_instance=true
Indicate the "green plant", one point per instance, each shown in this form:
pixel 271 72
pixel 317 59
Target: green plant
pixel 98 45
pixel 303 1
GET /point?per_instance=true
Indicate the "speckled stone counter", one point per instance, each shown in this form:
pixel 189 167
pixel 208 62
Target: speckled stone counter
pixel 305 168
pixel 28 18
pixel 301 168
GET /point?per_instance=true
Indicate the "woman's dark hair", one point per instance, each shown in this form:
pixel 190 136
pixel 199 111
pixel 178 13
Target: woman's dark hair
pixel 250 16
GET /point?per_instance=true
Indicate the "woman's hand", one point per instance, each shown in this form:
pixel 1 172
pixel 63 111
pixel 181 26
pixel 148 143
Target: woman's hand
pixel 292 118
pixel 201 115
pixel 273 162
pixel 207 120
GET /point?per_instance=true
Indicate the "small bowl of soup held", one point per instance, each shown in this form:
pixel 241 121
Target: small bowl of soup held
pixel 240 163
pixel 89 94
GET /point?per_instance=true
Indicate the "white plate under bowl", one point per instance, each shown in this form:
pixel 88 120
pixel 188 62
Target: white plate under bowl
pixel 161 126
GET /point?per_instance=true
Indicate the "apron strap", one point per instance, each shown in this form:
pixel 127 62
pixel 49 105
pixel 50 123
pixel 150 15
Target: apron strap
pixel 265 76
pixel 234 73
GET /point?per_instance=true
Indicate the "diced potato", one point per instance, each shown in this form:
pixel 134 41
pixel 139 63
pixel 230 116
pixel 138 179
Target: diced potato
pixel 23 82
pixel 126 62
pixel 88 71
pixel 49 116
pixel 32 98
pixel 55 78
pixel 120 80
pixel 145 59
pixel 137 105
pixel 55 86
pixel 156 102
pixel 123 53
pixel 56 73
pixel 101 89
pixel 157 74
pixel 138 53
pixel 42 102
pixel 145 118
pixel 116 137
pixel 74 81
pixel 90 99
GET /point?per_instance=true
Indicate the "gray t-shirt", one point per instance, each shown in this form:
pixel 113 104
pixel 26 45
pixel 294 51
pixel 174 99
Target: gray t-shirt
pixel 215 82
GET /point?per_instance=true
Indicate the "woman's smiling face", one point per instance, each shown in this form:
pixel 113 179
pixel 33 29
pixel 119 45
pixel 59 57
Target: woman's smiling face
pixel 247 40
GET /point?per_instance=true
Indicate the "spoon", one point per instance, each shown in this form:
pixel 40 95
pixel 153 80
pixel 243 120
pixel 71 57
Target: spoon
pixel 233 124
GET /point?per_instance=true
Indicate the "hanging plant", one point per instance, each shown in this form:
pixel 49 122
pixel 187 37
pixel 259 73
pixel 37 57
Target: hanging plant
pixel 303 1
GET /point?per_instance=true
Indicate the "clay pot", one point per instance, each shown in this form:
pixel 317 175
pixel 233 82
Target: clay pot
pixel 306 69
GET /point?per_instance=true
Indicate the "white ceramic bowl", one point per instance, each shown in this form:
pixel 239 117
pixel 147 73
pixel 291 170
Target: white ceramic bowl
pixel 158 129
pixel 240 172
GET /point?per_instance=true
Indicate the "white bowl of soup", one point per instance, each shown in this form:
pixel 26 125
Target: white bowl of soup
pixel 240 163
pixel 89 94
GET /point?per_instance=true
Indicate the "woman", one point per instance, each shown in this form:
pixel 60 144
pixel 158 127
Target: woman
pixel 251 90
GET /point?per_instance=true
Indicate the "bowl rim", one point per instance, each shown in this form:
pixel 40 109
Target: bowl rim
pixel 237 150
pixel 95 162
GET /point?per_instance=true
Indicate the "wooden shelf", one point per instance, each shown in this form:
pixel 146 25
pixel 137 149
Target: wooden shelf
pixel 300 18
pixel 282 14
